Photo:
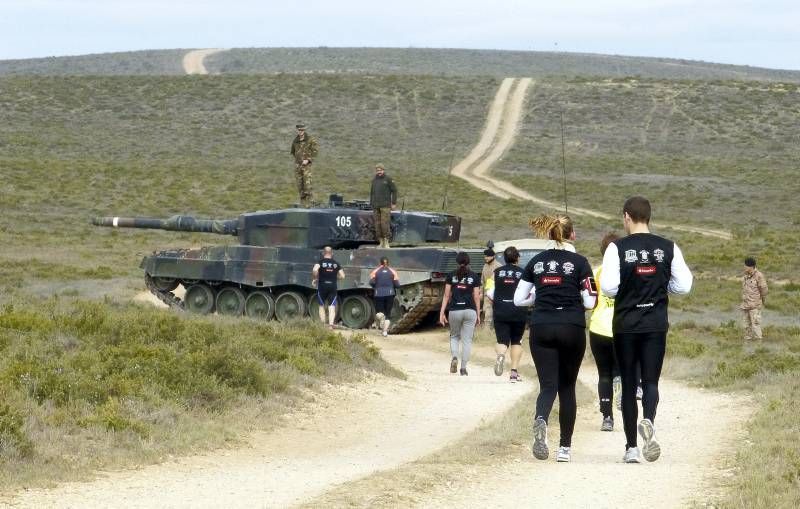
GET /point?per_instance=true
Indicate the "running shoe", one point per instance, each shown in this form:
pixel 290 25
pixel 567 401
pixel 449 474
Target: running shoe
pixel 540 450
pixel 639 392
pixel 608 424
pixel 514 377
pixel 631 455
pixel 384 333
pixel 618 392
pixel 650 450
pixel 498 364
pixel 563 455
pixel 464 372
pixel 454 365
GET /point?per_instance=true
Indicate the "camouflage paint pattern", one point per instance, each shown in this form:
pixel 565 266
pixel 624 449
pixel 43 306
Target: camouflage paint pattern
pixel 277 250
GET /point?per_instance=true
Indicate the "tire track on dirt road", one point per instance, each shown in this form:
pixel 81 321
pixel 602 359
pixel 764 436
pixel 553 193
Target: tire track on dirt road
pixel 349 432
pixel 498 136
pixel 193 61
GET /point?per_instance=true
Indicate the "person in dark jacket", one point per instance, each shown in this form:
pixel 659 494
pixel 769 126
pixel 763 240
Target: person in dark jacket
pixel 639 271
pixel 383 199
pixel 385 281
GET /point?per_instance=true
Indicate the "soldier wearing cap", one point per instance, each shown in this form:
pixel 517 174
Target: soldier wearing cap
pixel 383 199
pixel 304 149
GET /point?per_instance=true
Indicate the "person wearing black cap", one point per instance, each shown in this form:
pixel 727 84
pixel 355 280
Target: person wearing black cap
pixel 304 150
pixel 487 276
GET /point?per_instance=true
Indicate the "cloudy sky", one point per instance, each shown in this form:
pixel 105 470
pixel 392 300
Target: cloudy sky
pixel 759 33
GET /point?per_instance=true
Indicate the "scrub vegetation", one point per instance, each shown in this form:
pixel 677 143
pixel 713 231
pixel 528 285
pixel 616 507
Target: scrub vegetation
pixel 717 153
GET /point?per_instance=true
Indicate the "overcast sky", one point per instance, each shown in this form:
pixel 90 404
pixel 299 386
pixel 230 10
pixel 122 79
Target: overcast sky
pixel 750 32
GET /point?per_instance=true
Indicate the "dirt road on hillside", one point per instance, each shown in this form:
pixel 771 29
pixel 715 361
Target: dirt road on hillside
pixel 356 431
pixel 193 60
pixel 502 122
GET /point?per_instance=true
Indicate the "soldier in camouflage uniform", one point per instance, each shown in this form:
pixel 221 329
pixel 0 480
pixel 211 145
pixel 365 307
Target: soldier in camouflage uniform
pixel 383 200
pixel 304 150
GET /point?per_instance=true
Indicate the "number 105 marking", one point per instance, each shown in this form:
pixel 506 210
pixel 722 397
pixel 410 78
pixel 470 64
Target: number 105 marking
pixel 344 221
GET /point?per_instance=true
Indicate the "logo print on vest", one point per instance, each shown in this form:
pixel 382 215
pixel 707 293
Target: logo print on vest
pixel 630 256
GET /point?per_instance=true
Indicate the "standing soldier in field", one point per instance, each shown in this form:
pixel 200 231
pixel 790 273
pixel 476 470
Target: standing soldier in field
pixel 487 276
pixel 383 199
pixel 754 296
pixel 304 149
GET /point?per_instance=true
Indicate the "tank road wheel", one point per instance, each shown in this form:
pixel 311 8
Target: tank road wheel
pixel 165 284
pixel 290 305
pixel 230 301
pixel 357 312
pixel 199 299
pixel 313 306
pixel 260 305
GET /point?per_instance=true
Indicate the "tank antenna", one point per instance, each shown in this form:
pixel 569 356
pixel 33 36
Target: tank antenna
pixel 449 172
pixel 564 162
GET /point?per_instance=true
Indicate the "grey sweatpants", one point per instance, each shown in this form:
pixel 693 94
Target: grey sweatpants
pixel 462 326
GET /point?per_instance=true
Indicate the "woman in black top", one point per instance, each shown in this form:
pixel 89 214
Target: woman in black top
pixel 509 320
pixel 385 281
pixel 561 285
pixel 462 300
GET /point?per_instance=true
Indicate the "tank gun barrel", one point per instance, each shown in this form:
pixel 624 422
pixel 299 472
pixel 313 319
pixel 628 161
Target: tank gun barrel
pixel 174 223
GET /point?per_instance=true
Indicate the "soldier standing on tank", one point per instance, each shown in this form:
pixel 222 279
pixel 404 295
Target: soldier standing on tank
pixel 326 272
pixel 304 149
pixel 383 199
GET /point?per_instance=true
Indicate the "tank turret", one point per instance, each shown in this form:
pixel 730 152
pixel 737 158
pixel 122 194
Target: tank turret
pixel 268 273
pixel 340 225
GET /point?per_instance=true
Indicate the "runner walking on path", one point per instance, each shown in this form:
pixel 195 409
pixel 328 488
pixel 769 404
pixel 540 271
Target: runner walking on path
pixel 561 284
pixel 509 320
pixel 639 271
pixel 601 341
pixel 385 281
pixel 462 301
pixel 326 272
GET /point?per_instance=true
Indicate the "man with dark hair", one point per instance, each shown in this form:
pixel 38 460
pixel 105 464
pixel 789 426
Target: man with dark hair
pixel 383 199
pixel 325 274
pixel 639 271
pixel 754 295
pixel 304 150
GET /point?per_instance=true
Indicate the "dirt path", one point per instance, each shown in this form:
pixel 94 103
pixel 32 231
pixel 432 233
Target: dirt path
pixel 353 432
pixel 193 60
pixel 502 123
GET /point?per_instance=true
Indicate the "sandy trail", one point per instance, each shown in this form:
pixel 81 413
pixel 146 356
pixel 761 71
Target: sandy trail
pixel 355 431
pixel 498 136
pixel 193 60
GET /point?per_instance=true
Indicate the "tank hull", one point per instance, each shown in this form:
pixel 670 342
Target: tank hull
pixel 228 275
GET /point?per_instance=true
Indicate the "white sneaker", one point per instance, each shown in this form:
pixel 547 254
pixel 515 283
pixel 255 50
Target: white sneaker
pixel 498 364
pixel 650 450
pixel 563 455
pixel 384 333
pixel 608 424
pixel 540 450
pixel 631 455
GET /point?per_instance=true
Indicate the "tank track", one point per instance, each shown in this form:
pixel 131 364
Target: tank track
pixel 431 301
pixel 167 298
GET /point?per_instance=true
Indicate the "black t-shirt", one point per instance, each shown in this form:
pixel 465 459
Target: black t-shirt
pixel 645 268
pixel 557 276
pixel 506 279
pixel 328 272
pixel 461 290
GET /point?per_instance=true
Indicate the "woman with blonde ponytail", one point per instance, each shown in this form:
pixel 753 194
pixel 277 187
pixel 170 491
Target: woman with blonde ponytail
pixel 561 284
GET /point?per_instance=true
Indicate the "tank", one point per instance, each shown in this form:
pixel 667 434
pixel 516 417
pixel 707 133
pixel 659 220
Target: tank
pixel 267 273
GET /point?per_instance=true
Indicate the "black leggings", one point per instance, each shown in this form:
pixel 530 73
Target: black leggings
pixel 646 349
pixel 557 352
pixel 603 352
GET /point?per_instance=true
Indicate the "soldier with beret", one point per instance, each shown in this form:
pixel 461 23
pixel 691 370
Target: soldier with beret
pixel 383 199
pixel 304 150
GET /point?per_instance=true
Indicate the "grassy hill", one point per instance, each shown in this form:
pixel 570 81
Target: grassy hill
pixel 398 61
pixel 722 153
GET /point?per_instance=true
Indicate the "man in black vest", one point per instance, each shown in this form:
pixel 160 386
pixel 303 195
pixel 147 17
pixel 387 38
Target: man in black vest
pixel 639 271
